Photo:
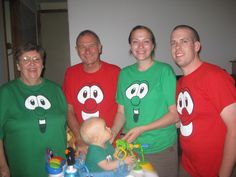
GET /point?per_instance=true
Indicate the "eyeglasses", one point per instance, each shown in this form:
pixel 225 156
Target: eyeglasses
pixel 28 59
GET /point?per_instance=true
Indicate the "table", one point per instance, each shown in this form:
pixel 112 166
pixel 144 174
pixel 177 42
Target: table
pixel 142 173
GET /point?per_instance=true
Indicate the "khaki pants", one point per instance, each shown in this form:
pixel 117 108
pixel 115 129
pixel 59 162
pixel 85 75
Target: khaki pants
pixel 165 162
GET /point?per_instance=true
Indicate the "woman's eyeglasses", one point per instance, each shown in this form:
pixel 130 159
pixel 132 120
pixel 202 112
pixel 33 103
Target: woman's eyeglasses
pixel 28 59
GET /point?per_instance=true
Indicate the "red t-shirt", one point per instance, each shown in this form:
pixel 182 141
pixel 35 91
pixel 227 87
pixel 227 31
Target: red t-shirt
pixel 201 96
pixel 92 94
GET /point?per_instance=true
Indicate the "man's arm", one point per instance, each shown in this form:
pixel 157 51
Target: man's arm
pixel 4 170
pixel 75 127
pixel 118 122
pixel 228 115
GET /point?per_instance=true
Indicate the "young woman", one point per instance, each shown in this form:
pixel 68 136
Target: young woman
pixel 146 104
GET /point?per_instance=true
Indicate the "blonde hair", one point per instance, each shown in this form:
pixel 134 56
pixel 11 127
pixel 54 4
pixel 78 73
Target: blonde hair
pixel 90 129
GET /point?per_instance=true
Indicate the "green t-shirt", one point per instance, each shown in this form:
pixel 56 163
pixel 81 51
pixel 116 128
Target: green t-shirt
pixel 22 109
pixel 146 96
pixel 96 154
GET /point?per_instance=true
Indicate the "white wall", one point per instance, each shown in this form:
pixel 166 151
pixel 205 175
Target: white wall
pixel 112 20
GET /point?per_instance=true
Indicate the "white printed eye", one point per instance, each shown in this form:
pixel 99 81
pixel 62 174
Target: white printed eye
pixel 43 102
pixel 188 102
pixel 132 91
pixel 31 102
pixel 83 94
pixel 96 94
pixel 142 91
pixel 180 102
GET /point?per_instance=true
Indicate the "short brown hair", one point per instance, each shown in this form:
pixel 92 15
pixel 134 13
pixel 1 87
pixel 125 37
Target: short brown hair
pixel 29 46
pixel 88 32
pixel 194 31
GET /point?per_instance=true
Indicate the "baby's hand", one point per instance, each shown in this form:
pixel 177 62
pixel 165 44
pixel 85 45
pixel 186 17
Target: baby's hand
pixel 129 160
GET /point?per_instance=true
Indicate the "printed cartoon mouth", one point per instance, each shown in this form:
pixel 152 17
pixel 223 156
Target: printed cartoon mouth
pixel 86 116
pixel 186 130
pixel 136 115
pixel 185 120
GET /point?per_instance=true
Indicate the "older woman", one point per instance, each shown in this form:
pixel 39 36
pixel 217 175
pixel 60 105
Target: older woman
pixel 32 117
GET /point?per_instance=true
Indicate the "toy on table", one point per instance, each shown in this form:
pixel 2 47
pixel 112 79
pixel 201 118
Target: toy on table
pixel 75 167
pixel 54 164
pixel 69 167
pixel 70 170
pixel 123 148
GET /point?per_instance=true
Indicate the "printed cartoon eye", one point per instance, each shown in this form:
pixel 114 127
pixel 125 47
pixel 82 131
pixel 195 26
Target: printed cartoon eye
pixel 184 100
pixel 96 93
pixel 139 90
pixel 132 91
pixel 188 102
pixel 142 91
pixel 43 102
pixel 31 102
pixel 180 104
pixel 83 94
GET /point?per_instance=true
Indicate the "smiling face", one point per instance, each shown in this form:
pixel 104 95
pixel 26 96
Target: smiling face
pixel 89 50
pixel 141 44
pixel 30 65
pixel 184 48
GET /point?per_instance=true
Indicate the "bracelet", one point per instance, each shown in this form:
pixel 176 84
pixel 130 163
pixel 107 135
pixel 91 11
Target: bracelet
pixel 122 134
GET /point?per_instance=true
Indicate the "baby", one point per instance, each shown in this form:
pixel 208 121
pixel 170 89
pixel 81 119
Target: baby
pixel 100 152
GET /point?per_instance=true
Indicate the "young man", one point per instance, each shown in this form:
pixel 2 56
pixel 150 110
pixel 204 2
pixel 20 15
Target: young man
pixel 206 103
pixel 90 86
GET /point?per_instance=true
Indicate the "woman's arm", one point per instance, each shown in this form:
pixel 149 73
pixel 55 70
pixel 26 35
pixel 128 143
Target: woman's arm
pixel 169 118
pixel 4 170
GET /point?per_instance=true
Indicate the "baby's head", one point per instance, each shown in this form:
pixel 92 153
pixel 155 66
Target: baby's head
pixel 94 131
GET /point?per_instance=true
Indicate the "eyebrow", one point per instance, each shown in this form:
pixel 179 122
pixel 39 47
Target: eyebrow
pixel 91 43
pixel 143 38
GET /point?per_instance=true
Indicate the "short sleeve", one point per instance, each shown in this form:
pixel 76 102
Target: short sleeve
pixel 221 89
pixel 66 86
pixel 169 85
pixel 119 92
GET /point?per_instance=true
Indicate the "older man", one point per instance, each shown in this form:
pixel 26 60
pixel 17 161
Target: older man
pixel 90 86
